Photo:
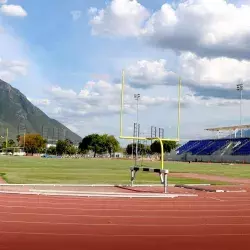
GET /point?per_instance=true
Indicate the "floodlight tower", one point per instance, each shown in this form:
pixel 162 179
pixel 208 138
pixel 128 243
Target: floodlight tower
pixel 137 98
pixel 240 88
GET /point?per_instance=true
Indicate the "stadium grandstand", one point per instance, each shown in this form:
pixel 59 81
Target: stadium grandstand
pixel 231 148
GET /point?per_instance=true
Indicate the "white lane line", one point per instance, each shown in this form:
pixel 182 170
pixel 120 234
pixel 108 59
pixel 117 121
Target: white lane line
pixel 95 185
pixel 124 225
pixel 166 205
pixel 99 194
pixel 125 216
pixel 217 199
pixel 126 235
pixel 130 210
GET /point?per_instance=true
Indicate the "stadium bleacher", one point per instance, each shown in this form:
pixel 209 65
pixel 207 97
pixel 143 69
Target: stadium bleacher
pixel 186 147
pixel 242 149
pixel 216 145
pixel 241 146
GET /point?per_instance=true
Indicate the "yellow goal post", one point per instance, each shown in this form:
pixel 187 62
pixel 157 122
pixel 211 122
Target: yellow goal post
pixel 161 140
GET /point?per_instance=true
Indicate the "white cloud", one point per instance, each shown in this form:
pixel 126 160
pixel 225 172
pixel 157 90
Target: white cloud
pixel 11 69
pixel 213 27
pixel 148 73
pixel 40 102
pixel 205 27
pixel 99 98
pixel 190 99
pixel 206 77
pixel 58 92
pixel 96 107
pixel 120 17
pixel 3 1
pixel 13 10
pixel 76 14
pixel 220 72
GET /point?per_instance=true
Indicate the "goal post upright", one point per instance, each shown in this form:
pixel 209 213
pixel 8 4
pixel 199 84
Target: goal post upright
pixel 179 109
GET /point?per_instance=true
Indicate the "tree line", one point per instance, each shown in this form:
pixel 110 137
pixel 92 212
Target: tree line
pixel 98 144
pixel 35 143
pixel 154 148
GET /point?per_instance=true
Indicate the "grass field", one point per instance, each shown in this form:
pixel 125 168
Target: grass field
pixel 103 171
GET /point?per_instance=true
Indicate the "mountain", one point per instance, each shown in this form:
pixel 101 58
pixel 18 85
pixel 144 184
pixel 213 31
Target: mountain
pixel 20 116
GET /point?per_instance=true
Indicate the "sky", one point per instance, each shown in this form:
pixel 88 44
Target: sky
pixel 67 57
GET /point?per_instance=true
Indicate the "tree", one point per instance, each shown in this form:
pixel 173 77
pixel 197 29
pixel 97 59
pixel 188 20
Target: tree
pixel 69 142
pixel 71 150
pixel 61 147
pixel 3 145
pixel 11 143
pixel 142 149
pixel 51 150
pixel 65 147
pixel 93 142
pixel 110 143
pixel 167 146
pixel 33 143
pixel 18 138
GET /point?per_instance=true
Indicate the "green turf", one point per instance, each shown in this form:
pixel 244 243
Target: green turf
pixel 103 171
pixel 235 170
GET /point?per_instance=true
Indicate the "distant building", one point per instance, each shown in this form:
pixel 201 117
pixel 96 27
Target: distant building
pixel 117 155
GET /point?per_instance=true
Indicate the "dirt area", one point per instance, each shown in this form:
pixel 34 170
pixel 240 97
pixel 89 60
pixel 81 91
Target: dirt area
pixel 2 181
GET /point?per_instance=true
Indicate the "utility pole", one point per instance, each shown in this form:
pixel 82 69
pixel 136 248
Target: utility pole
pixel 6 139
pixel 137 97
pixel 240 88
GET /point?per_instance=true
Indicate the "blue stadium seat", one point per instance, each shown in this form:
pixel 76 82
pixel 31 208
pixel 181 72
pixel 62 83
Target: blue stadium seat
pixel 202 145
pixel 208 147
pixel 215 146
pixel 186 147
pixel 243 150
pixel 242 142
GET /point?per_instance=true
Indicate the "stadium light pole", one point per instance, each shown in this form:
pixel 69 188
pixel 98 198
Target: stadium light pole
pixel 137 97
pixel 240 88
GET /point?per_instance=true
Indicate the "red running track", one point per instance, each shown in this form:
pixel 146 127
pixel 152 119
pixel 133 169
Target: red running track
pixel 211 221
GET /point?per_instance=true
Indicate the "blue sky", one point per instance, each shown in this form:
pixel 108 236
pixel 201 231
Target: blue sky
pixel 64 49
pixel 63 61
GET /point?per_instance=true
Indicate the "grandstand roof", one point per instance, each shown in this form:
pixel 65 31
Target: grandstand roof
pixel 229 128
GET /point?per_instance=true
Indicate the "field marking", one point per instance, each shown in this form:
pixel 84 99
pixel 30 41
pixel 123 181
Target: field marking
pixel 194 200
pixel 217 199
pixel 166 205
pixel 97 185
pixel 202 198
pixel 130 210
pixel 99 194
pixel 109 193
